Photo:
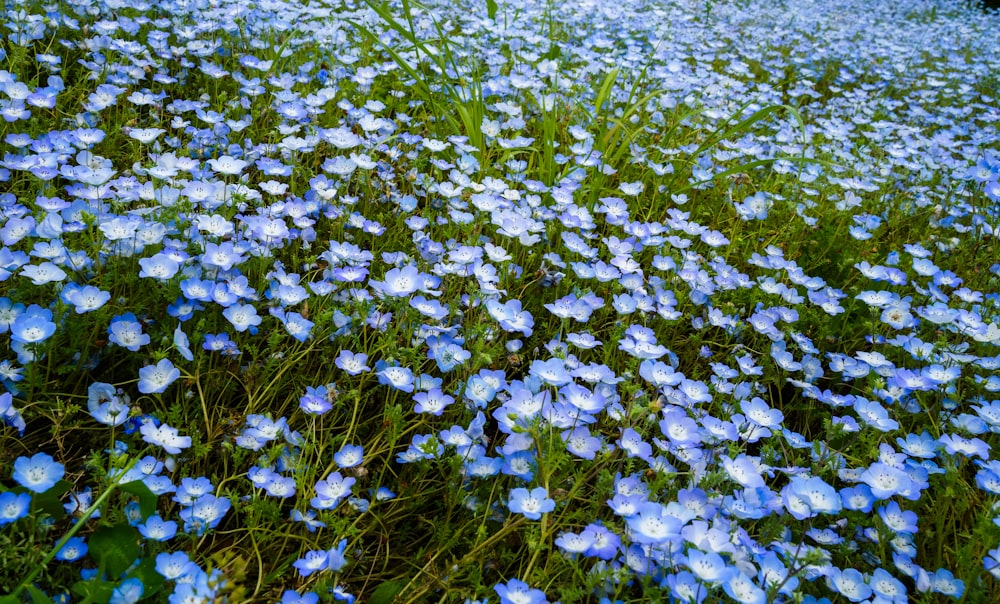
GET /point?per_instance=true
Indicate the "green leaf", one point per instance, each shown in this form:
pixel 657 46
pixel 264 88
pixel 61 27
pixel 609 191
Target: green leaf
pixel 491 10
pixel 115 548
pixel 386 591
pixel 93 590
pixel 152 581
pixel 147 500
pixel 50 501
pixel 37 595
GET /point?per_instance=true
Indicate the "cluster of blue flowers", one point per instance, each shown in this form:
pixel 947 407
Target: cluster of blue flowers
pixel 634 310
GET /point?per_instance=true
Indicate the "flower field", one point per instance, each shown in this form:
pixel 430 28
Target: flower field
pixel 499 301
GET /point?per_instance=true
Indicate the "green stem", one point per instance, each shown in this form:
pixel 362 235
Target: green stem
pixel 70 533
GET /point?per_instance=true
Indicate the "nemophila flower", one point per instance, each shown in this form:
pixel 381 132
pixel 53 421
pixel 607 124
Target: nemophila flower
pixel 874 415
pixel 633 444
pixel 37 473
pixel 652 524
pixel 552 371
pixel 858 497
pixel 182 345
pixel 944 582
pixel 447 352
pixel 887 588
pixel 32 326
pixel 126 331
pixel 129 591
pixel 897 519
pixel 174 566
pixel 531 504
pixel 85 298
pixel 221 256
pixel 331 491
pixel 685 588
pixel 191 489
pixel 313 561
pixel 8 312
pixel 293 597
pixel 205 513
pixel 574 543
pixel 160 267
pixel 849 583
pixel 399 282
pixel 742 589
pixel 166 437
pixel 315 401
pixel 106 406
pixel 396 377
pixel 991 562
pixel 709 567
pixel 13 506
pixel 886 481
pixel 219 343
pixel 280 486
pixel 353 364
pixel 349 456
pixel 743 470
pixel 43 273
pixel 242 317
pixel 806 497
pixel 157 529
pixel 434 401
pixel 154 379
pixel 516 591
pixel 970 447
pixel 74 549
pixel 8 413
pixel 308 518
pixel 227 165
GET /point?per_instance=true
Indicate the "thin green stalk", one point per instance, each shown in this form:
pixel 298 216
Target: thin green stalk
pixel 15 595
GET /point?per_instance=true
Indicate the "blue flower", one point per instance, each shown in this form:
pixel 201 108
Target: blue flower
pixel 742 589
pixel 166 437
pixel 652 524
pixel 709 567
pixel 353 364
pixel 308 518
pixel 86 298
pixel 74 549
pixel 315 401
pixel 205 513
pixel 399 282
pixel 174 566
pixel 897 519
pixel 519 592
pixel 395 376
pixel 32 326
pixel 806 497
pixel 160 267
pixel 293 597
pixel 532 504
pixel 157 529
pixel 154 379
pixel 13 506
pixel 331 491
pixel 313 561
pixel 849 583
pixel 126 331
pixel 434 401
pixel 128 592
pixel 8 413
pixel 944 582
pixel 39 473
pixel 242 317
